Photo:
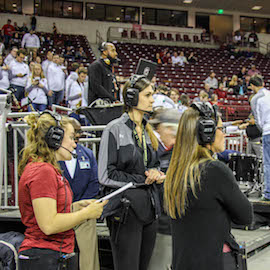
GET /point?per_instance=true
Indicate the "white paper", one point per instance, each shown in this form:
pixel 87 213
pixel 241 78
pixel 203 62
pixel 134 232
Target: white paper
pixel 116 192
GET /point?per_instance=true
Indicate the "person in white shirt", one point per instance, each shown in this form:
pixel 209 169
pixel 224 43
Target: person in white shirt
pixel 2 47
pixel 45 64
pixel 212 81
pixel 20 72
pixel 37 87
pixel 11 56
pixel 183 59
pixel 56 80
pixel 31 41
pixel 175 59
pixel 72 77
pixel 77 96
pixel 5 75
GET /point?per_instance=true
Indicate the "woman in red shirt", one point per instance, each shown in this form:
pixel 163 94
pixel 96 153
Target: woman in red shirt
pixel 45 196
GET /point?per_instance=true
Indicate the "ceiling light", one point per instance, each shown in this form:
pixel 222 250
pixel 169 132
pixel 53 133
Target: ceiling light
pixel 187 1
pixel 14 5
pixel 257 8
pixel 69 8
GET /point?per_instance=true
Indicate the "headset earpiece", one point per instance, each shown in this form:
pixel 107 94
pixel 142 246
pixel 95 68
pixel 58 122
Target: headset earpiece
pixel 102 47
pixel 206 125
pixel 55 134
pixel 132 94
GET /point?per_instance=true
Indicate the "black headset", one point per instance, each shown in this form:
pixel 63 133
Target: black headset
pixel 132 94
pixel 206 125
pixel 102 47
pixel 55 134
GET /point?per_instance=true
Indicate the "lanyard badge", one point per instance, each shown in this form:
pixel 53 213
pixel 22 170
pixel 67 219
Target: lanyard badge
pixel 142 145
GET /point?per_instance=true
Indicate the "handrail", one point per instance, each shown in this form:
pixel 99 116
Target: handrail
pixel 99 38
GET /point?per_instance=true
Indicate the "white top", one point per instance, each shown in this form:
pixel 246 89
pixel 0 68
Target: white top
pixel 73 76
pixel 176 60
pixel 71 165
pixel 16 68
pixel 4 83
pixel 9 59
pixel 37 94
pixel 76 88
pixel 163 101
pixel 45 64
pixel 55 77
pixel 213 83
pixel 30 41
pixel 2 48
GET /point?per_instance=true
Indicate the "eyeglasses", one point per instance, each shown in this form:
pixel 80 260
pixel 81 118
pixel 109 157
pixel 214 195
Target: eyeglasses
pixel 222 129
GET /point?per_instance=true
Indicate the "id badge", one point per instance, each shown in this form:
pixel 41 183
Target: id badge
pixel 84 164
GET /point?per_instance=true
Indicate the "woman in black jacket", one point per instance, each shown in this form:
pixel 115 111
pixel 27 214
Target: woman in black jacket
pixel 128 154
pixel 202 195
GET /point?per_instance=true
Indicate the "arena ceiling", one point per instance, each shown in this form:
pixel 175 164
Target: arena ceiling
pixel 230 5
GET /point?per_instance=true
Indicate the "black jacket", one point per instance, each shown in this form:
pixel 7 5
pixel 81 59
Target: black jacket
pixel 121 161
pixel 199 236
pixel 100 81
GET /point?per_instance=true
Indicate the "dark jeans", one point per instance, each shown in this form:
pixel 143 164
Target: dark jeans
pixel 37 107
pixel 57 97
pixel 230 262
pixel 19 94
pixel 43 259
pixel 7 39
pixel 132 243
pixel 266 165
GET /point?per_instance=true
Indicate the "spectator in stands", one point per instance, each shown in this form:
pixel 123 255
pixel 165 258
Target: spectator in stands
pixel 33 23
pixel 101 78
pixel 77 97
pixel 38 60
pixel 246 84
pixel 69 53
pixel 221 91
pixel 214 100
pixel 175 59
pixel 72 77
pixel 205 36
pixel 82 175
pixel 7 32
pixel 31 41
pixel 80 54
pixel 63 64
pixel 237 38
pixel 209 91
pixel 253 71
pixel 252 39
pixel 260 105
pixel 248 54
pixel 174 96
pixel 162 100
pixel 167 59
pixel 225 82
pixel 242 74
pixel 197 189
pixel 233 84
pixel 11 56
pixel 5 75
pixel 45 64
pixel 54 28
pixel 45 196
pixel 184 105
pixel 158 59
pixel 133 245
pixel 56 80
pixel 16 27
pixel 31 68
pixel 2 47
pixel 183 59
pixel 15 41
pixel 164 52
pixel 24 29
pixel 212 81
pixel 37 89
pixel 192 58
pixel 20 72
pixel 203 96
pixel 49 41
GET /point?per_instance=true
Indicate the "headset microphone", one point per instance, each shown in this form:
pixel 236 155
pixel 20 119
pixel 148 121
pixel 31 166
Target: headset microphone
pixel 148 112
pixel 74 155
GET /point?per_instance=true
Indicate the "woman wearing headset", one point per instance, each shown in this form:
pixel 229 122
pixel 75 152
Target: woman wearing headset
pixel 45 196
pixel 202 195
pixel 128 153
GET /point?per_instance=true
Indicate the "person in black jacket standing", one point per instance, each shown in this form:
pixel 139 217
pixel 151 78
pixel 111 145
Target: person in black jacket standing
pixel 102 81
pixel 128 154
pixel 202 196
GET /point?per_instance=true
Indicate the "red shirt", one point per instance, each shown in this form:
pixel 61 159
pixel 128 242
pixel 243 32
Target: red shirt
pixel 8 29
pixel 40 179
pixel 221 94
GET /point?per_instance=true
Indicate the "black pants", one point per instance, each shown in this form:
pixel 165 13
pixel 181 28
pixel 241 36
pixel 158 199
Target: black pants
pixel 44 259
pixel 132 243
pixel 230 262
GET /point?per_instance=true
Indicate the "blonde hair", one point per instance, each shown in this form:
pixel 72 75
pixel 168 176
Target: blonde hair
pixel 233 81
pixel 184 172
pixel 37 150
pixel 33 72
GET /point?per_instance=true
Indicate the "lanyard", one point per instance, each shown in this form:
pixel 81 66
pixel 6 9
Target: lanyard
pixel 144 147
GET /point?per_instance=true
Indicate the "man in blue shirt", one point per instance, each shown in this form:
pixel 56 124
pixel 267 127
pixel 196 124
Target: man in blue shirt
pixel 82 175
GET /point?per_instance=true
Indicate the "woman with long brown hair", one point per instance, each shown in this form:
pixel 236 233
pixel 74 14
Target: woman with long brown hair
pixel 128 154
pixel 201 194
